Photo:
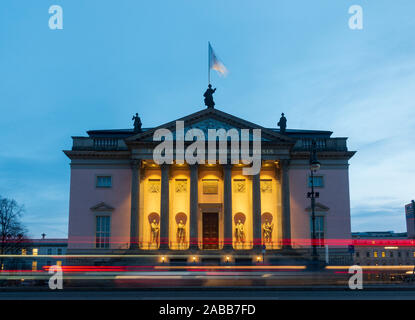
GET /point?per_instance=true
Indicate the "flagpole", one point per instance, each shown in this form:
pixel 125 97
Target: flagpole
pixel 208 62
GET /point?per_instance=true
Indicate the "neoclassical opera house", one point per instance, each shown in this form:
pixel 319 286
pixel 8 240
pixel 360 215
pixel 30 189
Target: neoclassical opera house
pixel 122 202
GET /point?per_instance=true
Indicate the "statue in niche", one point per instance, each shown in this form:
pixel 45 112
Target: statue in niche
pixel 239 232
pixel 181 232
pixel 267 230
pixel 155 228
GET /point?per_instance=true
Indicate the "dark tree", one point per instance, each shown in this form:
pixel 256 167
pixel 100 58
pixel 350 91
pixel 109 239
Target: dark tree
pixel 12 232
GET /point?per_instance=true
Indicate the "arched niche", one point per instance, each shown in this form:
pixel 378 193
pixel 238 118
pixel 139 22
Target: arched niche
pixel 154 223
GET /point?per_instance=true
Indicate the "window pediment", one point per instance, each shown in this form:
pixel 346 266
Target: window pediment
pixel 102 206
pixel 319 207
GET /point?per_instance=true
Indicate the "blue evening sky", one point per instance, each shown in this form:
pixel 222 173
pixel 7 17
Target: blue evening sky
pixel 117 57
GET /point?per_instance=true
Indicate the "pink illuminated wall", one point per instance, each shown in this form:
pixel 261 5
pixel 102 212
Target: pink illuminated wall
pixel 334 195
pixel 85 195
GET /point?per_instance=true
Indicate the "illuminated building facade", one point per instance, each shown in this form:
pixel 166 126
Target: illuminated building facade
pixel 122 201
pixel 383 248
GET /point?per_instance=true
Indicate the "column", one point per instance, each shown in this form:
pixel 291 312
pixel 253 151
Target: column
pixel 285 204
pixel 194 180
pixel 256 210
pixel 227 205
pixel 135 196
pixel 164 207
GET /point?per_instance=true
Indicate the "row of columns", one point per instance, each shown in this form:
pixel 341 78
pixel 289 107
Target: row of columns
pixel 282 174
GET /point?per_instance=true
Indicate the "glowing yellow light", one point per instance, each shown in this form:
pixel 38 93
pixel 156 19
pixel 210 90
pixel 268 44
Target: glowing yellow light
pixel 194 259
pixel 162 259
pixel 389 267
pixel 235 267
pixel 391 248
pixel 227 258
pixel 258 258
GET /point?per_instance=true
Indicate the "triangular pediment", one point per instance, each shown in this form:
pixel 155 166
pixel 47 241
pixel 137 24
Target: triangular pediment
pixel 212 119
pixel 102 206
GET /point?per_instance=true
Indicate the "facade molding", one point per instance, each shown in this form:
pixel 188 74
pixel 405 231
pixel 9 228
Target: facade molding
pixel 102 207
pixel 319 208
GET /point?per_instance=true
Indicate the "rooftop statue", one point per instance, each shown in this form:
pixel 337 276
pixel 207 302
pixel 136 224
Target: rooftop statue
pixel 282 123
pixel 137 123
pixel 209 97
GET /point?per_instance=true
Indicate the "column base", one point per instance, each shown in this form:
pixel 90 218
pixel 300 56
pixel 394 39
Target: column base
pixel 133 246
pixel 227 247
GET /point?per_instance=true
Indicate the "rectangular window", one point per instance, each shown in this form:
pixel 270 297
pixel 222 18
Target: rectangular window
pixel 24 251
pixel 49 251
pixel 210 186
pixel 383 254
pixel 318 181
pixel 102 232
pixel 104 182
pixel 319 230
pixel 35 251
pixel 375 254
pixel 59 251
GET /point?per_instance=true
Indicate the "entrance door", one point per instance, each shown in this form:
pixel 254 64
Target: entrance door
pixel 210 230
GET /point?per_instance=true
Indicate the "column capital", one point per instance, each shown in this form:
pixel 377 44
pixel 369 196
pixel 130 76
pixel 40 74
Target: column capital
pixel 284 163
pixel 135 163
pixel 165 166
pixel 193 167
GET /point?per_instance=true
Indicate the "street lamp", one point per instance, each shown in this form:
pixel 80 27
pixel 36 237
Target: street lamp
pixel 314 167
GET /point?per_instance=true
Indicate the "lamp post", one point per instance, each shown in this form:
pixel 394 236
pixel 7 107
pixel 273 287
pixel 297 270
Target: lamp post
pixel 314 167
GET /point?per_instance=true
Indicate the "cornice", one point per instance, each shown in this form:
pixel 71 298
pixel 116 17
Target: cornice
pixel 93 154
